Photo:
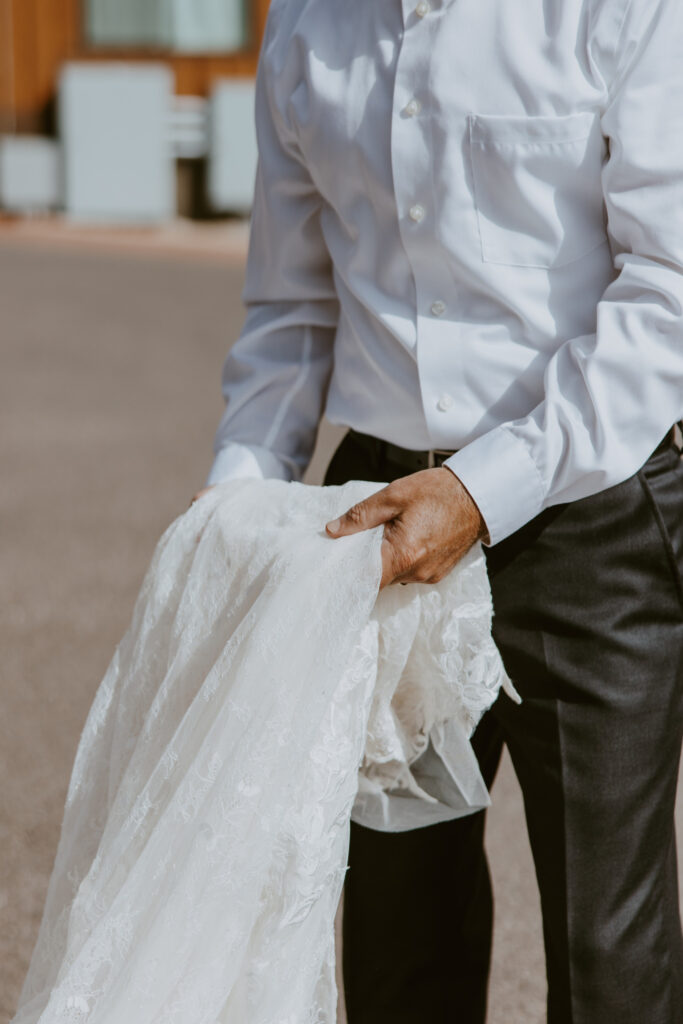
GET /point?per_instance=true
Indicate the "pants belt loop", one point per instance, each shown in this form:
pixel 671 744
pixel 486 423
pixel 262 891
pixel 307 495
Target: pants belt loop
pixel 678 436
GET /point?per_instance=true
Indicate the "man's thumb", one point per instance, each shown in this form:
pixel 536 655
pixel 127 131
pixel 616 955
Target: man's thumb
pixel 364 516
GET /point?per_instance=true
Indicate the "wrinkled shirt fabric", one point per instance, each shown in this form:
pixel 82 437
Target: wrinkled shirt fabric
pixel 467 234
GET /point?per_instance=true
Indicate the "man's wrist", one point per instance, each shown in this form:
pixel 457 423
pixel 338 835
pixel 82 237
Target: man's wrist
pixel 478 522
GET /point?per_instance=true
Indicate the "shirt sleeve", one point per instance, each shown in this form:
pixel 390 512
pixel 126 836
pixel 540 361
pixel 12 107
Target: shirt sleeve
pixel 275 377
pixel 609 396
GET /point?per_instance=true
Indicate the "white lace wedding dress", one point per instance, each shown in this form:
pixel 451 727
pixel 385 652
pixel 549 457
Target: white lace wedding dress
pixel 261 691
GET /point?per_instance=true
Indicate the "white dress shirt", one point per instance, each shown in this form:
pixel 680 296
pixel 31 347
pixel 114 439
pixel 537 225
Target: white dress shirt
pixel 467 234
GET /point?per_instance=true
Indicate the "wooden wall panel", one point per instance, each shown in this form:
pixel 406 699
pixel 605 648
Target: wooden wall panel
pixel 36 36
pixel 6 66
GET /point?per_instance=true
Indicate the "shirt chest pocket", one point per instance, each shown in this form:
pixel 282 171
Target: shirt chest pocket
pixel 537 187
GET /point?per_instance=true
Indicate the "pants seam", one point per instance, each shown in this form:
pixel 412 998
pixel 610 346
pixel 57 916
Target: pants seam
pixel 567 904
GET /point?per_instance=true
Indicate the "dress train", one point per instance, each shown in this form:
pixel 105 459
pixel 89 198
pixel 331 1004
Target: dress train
pixel 263 692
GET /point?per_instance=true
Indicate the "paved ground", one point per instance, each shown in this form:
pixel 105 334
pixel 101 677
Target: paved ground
pixel 109 396
pixel 215 241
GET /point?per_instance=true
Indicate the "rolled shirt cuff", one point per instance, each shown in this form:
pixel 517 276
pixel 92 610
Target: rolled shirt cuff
pixel 502 478
pixel 237 460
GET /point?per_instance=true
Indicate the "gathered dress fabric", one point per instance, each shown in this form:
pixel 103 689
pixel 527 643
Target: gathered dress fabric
pixel 265 691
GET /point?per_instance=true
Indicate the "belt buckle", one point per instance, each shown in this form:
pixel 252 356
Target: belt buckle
pixel 433 452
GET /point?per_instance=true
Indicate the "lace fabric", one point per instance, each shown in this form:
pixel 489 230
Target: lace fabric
pixel 263 692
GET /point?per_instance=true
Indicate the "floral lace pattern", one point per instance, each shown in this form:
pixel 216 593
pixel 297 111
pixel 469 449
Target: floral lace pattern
pixel 262 681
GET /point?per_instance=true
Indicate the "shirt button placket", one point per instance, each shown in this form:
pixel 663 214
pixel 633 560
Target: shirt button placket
pixel 412 158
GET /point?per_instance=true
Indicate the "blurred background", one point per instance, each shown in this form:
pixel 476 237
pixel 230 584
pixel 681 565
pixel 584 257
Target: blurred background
pixel 127 159
pixel 127 111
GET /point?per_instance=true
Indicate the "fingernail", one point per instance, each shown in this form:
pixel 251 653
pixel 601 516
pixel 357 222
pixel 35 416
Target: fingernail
pixel 333 527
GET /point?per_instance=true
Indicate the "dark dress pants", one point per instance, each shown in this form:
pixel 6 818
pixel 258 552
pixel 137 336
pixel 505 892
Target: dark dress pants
pixel 588 604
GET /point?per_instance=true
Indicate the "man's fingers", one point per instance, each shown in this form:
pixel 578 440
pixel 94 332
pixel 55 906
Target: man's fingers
pixel 391 568
pixel 401 561
pixel 199 494
pixel 374 511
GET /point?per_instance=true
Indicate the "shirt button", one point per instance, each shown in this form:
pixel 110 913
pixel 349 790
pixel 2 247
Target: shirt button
pixel 445 403
pixel 438 307
pixel 422 8
pixel 412 108
pixel 416 212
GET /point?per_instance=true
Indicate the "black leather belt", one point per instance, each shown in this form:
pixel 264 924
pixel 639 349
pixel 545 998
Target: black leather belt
pixel 412 460
pixel 407 458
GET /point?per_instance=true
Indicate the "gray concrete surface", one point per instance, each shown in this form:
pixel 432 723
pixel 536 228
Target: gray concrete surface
pixel 109 396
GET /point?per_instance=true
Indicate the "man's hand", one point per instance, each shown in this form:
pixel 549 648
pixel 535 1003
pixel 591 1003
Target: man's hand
pixel 204 490
pixel 430 522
